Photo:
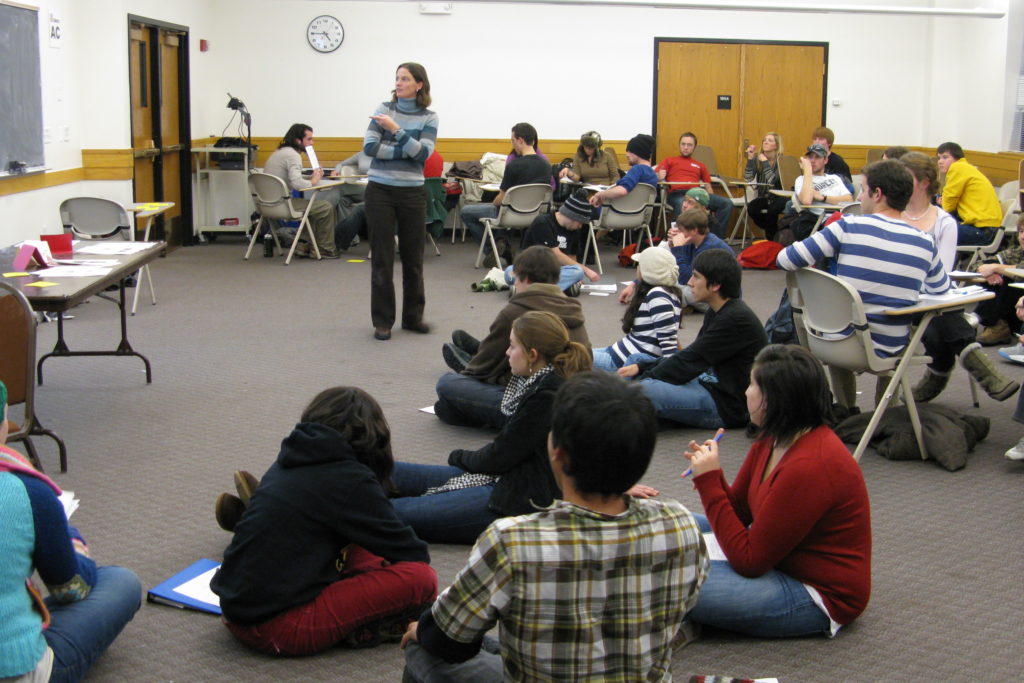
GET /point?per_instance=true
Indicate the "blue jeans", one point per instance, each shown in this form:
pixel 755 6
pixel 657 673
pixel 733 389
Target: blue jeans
pixel 970 235
pixel 719 206
pixel 485 667
pixel 468 402
pixel 451 517
pixel 568 276
pixel 689 404
pixel 773 605
pixel 604 359
pixel 471 215
pixel 81 631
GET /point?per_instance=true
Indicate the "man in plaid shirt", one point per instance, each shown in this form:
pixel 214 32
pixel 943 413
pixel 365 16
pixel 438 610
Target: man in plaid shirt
pixel 593 588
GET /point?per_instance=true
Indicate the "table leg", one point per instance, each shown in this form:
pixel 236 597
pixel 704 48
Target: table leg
pixel 124 348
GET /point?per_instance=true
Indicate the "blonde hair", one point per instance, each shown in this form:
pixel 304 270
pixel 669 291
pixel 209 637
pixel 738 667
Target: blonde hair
pixel 545 332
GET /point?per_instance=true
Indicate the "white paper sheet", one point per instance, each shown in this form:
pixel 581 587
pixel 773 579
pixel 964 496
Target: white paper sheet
pixel 198 588
pixel 311 153
pixel 73 271
pixel 70 503
pixel 116 248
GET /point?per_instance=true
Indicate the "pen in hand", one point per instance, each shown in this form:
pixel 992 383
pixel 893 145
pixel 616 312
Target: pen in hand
pixel 718 437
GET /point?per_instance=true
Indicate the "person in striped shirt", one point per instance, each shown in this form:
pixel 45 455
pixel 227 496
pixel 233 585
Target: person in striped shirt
pixel 890 264
pixel 651 322
pixel 591 588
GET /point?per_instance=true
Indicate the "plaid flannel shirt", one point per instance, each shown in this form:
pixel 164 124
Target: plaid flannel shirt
pixel 580 595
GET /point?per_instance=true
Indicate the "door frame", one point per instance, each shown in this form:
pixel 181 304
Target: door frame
pixel 736 41
pixel 152 26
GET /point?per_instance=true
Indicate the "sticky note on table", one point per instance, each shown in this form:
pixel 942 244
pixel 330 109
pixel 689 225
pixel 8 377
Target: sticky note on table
pixel 16 274
pixel 42 283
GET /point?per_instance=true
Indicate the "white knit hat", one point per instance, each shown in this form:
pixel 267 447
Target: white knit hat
pixel 657 267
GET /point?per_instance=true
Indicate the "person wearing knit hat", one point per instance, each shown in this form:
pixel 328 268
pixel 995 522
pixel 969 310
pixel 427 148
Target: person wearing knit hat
pixel 699 195
pixel 684 172
pixel 592 165
pixel 651 322
pixel 639 152
pixel 560 232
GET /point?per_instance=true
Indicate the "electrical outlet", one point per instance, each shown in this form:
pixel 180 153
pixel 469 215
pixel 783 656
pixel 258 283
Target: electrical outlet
pixel 47 135
pixel 65 133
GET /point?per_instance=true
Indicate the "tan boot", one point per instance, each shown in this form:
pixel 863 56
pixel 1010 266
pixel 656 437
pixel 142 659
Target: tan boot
pixel 997 334
pixel 931 385
pixel 974 360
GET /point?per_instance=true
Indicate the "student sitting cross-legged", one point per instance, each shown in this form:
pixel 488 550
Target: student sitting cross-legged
pixel 319 556
pixel 453 503
pixel 59 638
pixel 593 587
pixel 795 525
pixel 651 322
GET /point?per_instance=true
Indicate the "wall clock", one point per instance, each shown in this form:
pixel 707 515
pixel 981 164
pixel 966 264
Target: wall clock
pixel 325 33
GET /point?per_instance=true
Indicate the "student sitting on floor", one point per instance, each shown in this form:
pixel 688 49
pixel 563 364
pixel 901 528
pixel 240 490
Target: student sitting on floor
pixel 319 556
pixel 454 503
pixel 795 525
pixel 57 639
pixel 651 322
pixel 592 588
pixel 471 396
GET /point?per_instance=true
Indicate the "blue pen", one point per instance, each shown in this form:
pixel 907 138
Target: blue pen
pixel 689 470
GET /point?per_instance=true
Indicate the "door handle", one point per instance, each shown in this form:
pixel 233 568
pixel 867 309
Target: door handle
pixel 145 153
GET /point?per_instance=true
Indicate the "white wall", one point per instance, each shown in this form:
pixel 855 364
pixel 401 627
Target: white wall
pixel 900 79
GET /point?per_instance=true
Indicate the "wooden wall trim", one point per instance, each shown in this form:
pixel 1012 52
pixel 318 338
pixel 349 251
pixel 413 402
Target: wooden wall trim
pixel 97 164
pixel 118 164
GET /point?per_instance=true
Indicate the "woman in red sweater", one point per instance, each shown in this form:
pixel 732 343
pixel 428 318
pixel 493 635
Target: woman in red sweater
pixel 795 525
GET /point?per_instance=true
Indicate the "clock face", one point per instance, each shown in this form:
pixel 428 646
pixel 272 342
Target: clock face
pixel 325 33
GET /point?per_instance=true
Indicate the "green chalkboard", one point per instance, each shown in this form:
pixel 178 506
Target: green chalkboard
pixel 21 105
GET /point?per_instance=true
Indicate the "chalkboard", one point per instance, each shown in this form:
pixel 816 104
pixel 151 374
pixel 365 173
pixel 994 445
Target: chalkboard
pixel 21 105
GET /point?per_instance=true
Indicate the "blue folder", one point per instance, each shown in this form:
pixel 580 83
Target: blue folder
pixel 166 593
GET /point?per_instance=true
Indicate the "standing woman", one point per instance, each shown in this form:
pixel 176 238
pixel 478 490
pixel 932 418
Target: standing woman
pixel 763 169
pixel 399 139
pixel 795 524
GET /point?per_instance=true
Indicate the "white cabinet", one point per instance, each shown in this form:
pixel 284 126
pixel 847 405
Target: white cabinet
pixel 221 195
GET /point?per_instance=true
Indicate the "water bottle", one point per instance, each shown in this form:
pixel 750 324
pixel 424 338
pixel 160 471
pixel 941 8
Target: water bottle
pixel 268 246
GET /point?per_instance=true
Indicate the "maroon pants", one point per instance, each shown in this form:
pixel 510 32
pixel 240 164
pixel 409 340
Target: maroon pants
pixel 367 591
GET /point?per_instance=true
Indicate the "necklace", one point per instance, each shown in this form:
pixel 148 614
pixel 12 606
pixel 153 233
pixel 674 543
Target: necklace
pixel 917 218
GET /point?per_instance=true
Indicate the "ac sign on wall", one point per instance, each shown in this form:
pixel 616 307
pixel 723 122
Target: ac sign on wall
pixel 55 31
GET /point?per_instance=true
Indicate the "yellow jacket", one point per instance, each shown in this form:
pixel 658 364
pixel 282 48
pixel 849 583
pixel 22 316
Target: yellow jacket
pixel 971 196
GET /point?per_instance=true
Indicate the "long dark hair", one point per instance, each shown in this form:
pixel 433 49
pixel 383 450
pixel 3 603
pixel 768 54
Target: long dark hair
pixel 358 417
pixel 419 74
pixel 296 132
pixel 794 389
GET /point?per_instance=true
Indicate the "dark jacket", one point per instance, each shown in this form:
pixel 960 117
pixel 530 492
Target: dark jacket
pixel 519 455
pixel 315 500
pixel 490 364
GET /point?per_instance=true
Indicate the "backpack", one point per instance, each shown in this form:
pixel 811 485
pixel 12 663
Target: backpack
pixel 760 255
pixel 780 327
pixel 562 190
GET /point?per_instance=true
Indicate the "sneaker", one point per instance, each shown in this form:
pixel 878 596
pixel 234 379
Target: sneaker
pixel 454 357
pixel 574 289
pixel 302 250
pixel 1017 452
pixel 1008 352
pixel 997 334
pixel 228 510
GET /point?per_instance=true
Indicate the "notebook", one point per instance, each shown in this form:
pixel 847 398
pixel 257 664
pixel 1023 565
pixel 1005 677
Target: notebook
pixel 189 589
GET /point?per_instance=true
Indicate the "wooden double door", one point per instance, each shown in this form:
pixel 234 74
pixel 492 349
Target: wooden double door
pixel 158 74
pixel 776 87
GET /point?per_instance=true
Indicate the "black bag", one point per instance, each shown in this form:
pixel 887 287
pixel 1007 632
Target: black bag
pixel 231 160
pixel 780 326
pixel 794 227
pixel 562 190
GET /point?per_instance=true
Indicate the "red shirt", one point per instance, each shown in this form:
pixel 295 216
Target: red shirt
pixel 433 166
pixel 810 519
pixel 684 170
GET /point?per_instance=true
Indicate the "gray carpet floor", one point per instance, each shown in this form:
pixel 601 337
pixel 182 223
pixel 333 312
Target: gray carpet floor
pixel 239 347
